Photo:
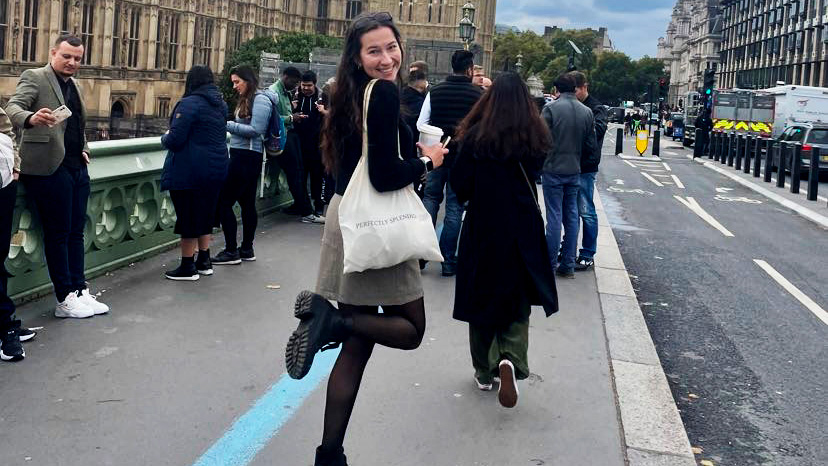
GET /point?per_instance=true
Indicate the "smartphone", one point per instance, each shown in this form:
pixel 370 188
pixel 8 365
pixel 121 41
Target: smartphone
pixel 61 113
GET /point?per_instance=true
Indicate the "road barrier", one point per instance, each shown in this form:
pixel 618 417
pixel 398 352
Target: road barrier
pixel 757 156
pixel 619 141
pixel 771 147
pixel 741 142
pixel 796 168
pixel 750 144
pixel 731 156
pixel 657 143
pixel 813 175
pixel 783 152
pixel 728 146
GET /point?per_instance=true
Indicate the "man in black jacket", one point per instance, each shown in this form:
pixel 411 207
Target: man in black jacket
pixel 412 98
pixel 308 129
pixel 589 168
pixel 444 107
pixel 571 125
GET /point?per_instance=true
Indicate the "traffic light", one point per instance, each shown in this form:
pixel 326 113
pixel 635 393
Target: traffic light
pixel 663 89
pixel 709 82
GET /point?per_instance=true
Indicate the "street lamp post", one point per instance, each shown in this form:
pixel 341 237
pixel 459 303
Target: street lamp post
pixel 466 26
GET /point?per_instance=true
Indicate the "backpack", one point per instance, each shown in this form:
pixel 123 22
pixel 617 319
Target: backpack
pixel 275 137
pixel 6 160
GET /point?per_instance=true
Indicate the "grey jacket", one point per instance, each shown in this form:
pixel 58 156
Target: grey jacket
pixel 248 133
pixel 573 135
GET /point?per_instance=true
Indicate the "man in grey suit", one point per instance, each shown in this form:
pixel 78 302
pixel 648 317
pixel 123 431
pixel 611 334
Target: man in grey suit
pixel 54 158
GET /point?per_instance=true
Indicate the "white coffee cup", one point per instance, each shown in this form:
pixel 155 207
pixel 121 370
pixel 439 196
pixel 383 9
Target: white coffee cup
pixel 430 135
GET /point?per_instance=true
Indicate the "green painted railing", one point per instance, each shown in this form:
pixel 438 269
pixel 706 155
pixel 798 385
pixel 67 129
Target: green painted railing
pixel 128 216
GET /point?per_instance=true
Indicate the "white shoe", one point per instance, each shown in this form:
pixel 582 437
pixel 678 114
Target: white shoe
pixel 73 307
pixel 482 386
pixel 91 301
pixel 507 391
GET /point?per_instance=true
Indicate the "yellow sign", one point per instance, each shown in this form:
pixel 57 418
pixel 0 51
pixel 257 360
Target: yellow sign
pixel 756 127
pixel 641 141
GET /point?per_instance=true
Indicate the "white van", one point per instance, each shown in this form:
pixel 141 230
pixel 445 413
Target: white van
pixel 798 104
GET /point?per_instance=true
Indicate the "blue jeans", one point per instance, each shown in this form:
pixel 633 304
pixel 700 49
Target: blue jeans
pixel 435 183
pixel 586 209
pixel 560 194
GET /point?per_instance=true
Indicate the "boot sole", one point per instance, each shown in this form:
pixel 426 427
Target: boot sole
pixel 298 357
pixel 206 272
pixel 191 278
pixel 507 393
pixel 13 358
pixel 233 262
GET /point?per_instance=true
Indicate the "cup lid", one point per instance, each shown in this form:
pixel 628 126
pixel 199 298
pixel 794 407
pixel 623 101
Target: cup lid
pixel 432 130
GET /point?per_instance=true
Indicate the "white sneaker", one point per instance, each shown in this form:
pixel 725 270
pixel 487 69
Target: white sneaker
pixel 73 307
pixel 312 218
pixel 91 301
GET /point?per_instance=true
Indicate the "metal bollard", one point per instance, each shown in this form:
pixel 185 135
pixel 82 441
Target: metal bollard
pixel 714 144
pixel 796 168
pixel 656 143
pixel 757 160
pixel 728 148
pixel 731 157
pixel 780 175
pixel 619 141
pixel 749 146
pixel 717 147
pixel 697 144
pixel 813 175
pixel 770 148
pixel 740 150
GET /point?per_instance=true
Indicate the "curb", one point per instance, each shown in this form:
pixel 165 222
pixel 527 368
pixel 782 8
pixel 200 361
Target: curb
pixel 803 211
pixel 653 433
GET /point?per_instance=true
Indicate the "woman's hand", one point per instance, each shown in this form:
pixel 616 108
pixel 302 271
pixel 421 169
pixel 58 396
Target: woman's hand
pixel 435 153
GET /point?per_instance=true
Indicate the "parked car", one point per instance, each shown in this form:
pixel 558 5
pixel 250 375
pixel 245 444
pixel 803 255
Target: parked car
pixel 810 135
pixel 616 115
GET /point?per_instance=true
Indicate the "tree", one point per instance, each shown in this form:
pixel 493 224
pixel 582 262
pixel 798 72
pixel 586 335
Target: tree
pixel 583 38
pixel 614 78
pixel 537 53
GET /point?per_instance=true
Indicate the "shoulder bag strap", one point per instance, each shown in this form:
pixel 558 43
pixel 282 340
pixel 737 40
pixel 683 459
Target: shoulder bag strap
pixel 529 185
pixel 365 102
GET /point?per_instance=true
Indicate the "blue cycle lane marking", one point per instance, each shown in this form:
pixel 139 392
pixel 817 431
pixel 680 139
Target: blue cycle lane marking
pixel 253 430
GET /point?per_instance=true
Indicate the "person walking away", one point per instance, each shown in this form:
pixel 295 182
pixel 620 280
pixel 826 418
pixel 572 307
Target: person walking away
pixel 412 98
pixel 589 169
pixel 308 130
pixel 372 50
pixel 291 158
pixel 502 266
pixel 12 334
pixel 573 133
pixel 195 169
pixel 627 123
pixel 444 107
pixel 53 169
pixel 247 130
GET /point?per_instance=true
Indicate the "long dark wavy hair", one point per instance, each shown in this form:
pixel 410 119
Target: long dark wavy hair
pixel 245 105
pixel 345 117
pixel 505 122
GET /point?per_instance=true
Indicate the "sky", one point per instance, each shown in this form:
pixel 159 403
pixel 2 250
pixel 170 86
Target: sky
pixel 634 26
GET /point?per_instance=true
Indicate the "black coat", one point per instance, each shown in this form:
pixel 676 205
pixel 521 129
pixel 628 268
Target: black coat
pixel 503 253
pixel 197 142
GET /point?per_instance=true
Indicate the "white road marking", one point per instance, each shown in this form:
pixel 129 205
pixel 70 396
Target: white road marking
pixel 790 288
pixel 662 175
pixel 694 206
pixel 616 189
pixel 670 152
pixel 723 190
pixel 655 181
pixel 746 200
pixel 618 181
pixel 641 158
pixel 678 182
pixel 630 164
pixel 667 167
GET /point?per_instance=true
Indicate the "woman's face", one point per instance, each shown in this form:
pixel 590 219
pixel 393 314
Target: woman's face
pixel 380 54
pixel 239 84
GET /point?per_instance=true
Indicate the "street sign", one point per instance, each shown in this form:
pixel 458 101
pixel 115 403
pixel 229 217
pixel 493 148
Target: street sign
pixel 642 140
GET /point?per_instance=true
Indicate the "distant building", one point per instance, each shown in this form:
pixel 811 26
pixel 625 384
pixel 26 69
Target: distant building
pixel 602 41
pixel 138 51
pixel 692 44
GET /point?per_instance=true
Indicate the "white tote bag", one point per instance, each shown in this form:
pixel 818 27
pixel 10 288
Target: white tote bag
pixel 6 160
pixel 380 230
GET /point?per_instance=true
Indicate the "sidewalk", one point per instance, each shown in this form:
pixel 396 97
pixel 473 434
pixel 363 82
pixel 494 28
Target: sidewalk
pixel 163 377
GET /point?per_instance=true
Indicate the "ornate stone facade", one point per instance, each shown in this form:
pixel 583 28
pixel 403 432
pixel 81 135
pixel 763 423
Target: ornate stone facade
pixel 138 52
pixel 691 45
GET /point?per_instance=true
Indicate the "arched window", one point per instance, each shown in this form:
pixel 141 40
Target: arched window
pixel 118 110
pixel 353 8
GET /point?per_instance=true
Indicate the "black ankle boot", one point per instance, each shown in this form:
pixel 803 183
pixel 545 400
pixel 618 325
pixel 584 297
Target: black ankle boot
pixel 335 457
pixel 203 263
pixel 322 327
pixel 186 271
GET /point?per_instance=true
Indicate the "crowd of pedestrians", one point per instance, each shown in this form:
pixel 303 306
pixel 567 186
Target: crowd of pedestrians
pixel 494 145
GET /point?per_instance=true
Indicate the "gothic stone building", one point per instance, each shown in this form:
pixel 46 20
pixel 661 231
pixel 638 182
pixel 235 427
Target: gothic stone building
pixel 138 52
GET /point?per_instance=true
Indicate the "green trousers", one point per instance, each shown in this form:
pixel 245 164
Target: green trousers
pixel 489 346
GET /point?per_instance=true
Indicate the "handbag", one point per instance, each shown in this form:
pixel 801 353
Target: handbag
pixel 380 230
pixel 6 161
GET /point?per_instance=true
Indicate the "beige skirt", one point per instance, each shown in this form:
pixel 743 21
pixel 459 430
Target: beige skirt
pixel 393 286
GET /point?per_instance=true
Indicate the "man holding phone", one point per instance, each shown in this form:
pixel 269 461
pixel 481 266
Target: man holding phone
pixel 54 158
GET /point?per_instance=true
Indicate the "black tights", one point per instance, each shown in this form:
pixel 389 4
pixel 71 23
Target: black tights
pixel 400 327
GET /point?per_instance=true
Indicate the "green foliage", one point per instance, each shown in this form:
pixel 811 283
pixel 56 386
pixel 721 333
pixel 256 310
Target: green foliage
pixel 617 78
pixel 583 38
pixel 293 47
pixel 537 53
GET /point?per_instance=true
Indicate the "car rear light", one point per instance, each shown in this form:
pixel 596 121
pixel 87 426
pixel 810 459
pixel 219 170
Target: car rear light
pixel 806 148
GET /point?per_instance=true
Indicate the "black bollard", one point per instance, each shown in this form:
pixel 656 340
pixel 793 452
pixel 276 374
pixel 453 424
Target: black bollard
pixel 757 160
pixel 770 148
pixel 813 175
pixel 740 150
pixel 780 175
pixel 619 141
pixel 796 167
pixel 749 145
pixel 697 144
pixel 728 146
pixel 714 144
pixel 731 157
pixel 656 143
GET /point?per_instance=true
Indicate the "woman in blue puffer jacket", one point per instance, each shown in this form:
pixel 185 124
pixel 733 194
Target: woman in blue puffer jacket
pixel 195 168
pixel 246 155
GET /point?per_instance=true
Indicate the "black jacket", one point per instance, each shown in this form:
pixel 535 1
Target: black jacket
pixel 412 101
pixel 451 100
pixel 599 115
pixel 197 142
pixel 503 256
pixel 308 128
pixel 573 136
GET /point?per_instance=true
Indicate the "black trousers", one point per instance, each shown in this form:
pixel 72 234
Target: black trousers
pixel 7 198
pixel 290 162
pixel 60 199
pixel 240 186
pixel 313 169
